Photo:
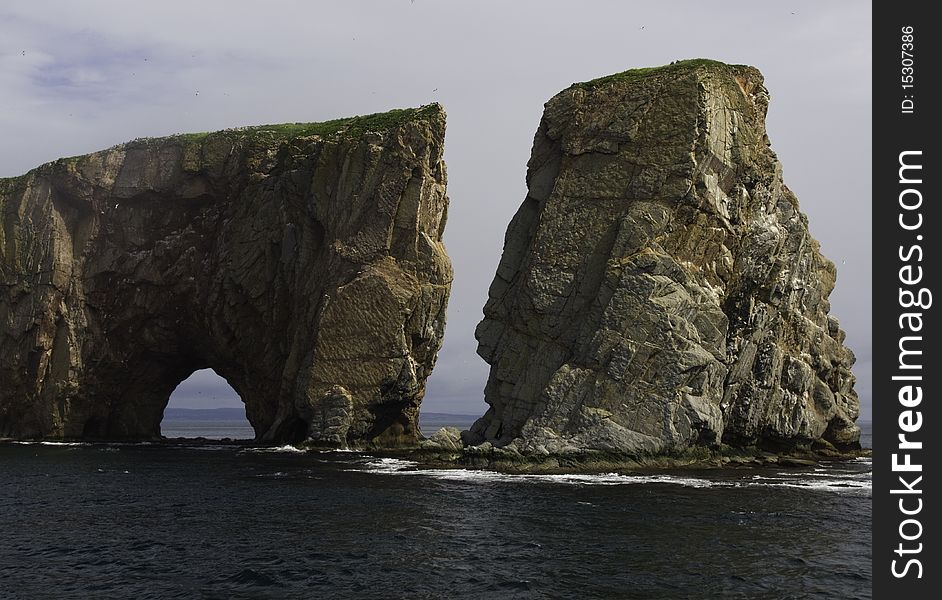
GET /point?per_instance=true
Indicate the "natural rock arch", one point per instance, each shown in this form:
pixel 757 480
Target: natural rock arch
pixel 303 263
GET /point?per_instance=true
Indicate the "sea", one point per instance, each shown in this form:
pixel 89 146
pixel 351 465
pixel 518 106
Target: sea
pixel 213 520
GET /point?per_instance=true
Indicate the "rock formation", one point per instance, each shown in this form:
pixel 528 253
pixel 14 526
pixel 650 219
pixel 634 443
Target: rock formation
pixel 659 288
pixel 303 263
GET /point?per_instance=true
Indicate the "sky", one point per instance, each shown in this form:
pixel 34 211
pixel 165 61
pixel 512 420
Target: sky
pixel 79 77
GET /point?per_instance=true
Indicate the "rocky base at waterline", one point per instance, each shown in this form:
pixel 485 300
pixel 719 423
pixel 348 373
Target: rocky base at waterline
pixel 444 449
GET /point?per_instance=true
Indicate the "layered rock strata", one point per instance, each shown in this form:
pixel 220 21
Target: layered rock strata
pixel 303 263
pixel 659 288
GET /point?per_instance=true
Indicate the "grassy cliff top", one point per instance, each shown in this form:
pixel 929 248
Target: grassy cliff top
pixel 676 67
pixel 347 127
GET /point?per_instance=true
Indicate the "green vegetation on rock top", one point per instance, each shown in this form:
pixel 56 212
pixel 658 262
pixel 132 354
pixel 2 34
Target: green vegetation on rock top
pixel 347 127
pixel 637 74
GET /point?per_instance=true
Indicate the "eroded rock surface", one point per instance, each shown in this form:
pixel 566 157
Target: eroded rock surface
pixel 659 288
pixel 303 263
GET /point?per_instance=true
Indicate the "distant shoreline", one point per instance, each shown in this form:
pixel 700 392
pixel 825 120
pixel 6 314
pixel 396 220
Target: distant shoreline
pixel 227 413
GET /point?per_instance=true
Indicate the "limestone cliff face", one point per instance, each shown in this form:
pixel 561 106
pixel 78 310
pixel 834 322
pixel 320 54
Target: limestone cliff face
pixel 303 263
pixel 659 288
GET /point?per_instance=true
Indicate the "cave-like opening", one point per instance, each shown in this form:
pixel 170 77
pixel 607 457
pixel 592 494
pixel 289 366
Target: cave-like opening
pixel 204 405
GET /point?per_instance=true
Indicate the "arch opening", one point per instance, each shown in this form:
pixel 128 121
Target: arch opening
pixel 204 405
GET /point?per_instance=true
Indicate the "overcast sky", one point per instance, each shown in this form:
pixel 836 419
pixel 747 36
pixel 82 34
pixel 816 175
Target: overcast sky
pixel 78 77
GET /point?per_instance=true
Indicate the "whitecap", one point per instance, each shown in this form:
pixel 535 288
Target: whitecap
pixel 395 466
pixel 831 474
pixel 44 443
pixel 285 448
pixel 829 485
pixel 825 481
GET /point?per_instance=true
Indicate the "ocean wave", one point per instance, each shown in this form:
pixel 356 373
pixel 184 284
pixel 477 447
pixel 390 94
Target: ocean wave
pixel 395 466
pixel 285 448
pixel 828 485
pixel 833 482
pixel 22 443
pixel 831 474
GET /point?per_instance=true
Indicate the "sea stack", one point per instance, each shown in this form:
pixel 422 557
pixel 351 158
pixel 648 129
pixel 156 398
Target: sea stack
pixel 303 263
pixel 659 289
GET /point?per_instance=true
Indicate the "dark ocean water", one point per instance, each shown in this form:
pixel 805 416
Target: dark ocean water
pixel 157 521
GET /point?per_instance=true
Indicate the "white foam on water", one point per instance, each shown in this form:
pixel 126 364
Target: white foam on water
pixel 392 465
pixel 395 466
pixel 829 485
pixel 285 448
pixel 817 481
pixel 52 443
pixel 830 474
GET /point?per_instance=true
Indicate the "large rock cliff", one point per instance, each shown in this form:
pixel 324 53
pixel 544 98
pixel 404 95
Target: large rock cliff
pixel 659 288
pixel 303 263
